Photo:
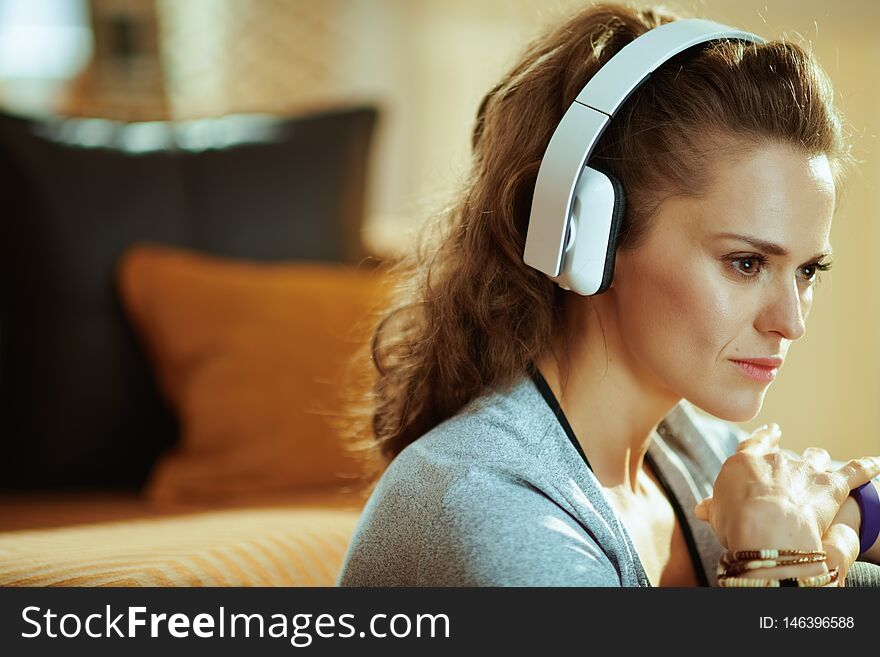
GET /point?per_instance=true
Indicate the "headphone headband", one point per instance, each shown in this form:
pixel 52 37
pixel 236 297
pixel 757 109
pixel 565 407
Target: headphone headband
pixel 587 118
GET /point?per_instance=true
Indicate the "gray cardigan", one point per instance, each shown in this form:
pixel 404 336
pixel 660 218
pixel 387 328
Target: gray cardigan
pixel 498 495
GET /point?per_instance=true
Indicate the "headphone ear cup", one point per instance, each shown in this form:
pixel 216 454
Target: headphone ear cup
pixel 594 225
pixel 616 221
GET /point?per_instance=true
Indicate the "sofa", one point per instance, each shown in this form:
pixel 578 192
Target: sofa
pixel 179 307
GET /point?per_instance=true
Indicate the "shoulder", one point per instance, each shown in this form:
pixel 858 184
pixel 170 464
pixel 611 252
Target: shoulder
pixel 474 502
pixel 495 529
pixel 502 429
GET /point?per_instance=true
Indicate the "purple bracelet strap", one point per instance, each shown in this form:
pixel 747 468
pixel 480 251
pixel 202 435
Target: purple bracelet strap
pixel 869 503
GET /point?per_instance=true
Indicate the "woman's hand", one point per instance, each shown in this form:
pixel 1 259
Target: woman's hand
pixel 841 544
pixel 841 541
pixel 766 498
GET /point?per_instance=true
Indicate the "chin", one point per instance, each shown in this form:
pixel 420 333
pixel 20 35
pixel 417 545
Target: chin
pixel 742 407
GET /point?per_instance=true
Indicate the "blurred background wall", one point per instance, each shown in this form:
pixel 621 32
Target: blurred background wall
pixel 428 63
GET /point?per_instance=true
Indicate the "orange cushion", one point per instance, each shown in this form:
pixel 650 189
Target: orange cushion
pixel 251 357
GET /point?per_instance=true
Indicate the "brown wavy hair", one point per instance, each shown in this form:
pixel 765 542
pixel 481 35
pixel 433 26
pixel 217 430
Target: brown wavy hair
pixel 467 315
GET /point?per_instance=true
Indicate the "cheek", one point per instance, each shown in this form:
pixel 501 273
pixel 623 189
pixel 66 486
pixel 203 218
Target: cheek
pixel 678 319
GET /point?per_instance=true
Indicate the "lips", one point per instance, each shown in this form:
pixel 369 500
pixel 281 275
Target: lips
pixel 753 368
pixel 773 361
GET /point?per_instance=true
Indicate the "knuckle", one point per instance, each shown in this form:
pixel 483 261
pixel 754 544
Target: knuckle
pixel 853 466
pixel 840 488
pixel 840 480
pixel 861 466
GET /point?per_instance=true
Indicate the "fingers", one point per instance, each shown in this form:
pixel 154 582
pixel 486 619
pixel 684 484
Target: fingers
pixel 702 509
pixel 763 439
pixel 817 457
pixel 857 472
pixel 841 543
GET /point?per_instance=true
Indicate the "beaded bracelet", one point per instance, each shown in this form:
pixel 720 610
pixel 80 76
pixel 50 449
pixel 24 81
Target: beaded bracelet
pixel 734 563
pixel 769 554
pixel 752 559
pixel 739 567
pixel 821 580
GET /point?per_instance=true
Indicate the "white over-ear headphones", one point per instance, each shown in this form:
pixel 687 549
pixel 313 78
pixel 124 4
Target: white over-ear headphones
pixel 577 210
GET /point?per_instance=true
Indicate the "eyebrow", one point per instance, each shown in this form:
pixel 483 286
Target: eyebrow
pixel 769 247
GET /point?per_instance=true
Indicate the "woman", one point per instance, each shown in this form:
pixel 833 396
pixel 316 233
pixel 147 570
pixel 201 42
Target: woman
pixel 538 437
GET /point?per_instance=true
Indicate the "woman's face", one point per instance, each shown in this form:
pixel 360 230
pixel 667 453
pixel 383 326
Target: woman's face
pixel 691 301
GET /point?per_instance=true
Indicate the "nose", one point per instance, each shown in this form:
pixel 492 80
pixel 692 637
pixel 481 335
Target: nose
pixel 786 311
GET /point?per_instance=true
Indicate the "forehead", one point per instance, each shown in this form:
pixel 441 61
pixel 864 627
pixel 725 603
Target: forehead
pixel 773 192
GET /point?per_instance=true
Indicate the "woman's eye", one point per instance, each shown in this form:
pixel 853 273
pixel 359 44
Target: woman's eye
pixel 748 267
pixel 815 268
